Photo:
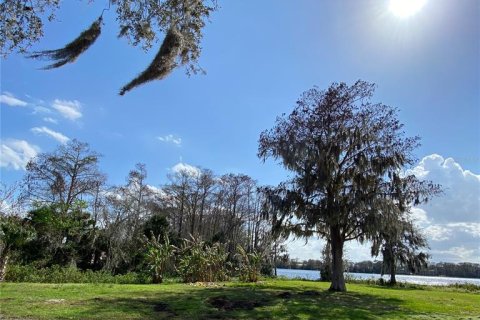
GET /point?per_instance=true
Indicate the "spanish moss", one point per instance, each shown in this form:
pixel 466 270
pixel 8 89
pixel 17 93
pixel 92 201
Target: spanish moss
pixel 73 50
pixel 163 63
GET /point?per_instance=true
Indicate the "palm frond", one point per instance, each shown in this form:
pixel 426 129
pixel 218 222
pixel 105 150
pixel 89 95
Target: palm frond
pixel 163 63
pixel 73 50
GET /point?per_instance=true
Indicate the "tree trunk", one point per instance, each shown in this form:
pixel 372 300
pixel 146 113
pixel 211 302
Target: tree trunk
pixel 338 279
pixel 3 264
pixel 393 271
pixel 326 266
pixel 192 226
pixel 181 218
pixel 275 259
pixel 157 278
pixel 200 218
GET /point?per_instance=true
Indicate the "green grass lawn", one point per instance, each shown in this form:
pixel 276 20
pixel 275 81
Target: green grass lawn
pixel 271 299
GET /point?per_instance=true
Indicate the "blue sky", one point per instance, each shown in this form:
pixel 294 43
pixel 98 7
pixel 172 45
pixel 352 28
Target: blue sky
pixel 259 57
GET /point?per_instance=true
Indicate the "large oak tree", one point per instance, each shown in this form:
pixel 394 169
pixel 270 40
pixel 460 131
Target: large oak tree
pixel 346 154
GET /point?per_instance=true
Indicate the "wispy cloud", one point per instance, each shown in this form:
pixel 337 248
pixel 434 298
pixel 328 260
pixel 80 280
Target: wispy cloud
pixel 41 109
pixel 471 228
pixel 8 99
pixel 68 109
pixel 458 254
pixel 53 134
pixel 437 233
pixel 170 138
pixel 16 153
pixel 51 120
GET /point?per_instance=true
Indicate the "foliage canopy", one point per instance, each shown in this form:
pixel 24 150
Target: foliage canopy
pixel 346 154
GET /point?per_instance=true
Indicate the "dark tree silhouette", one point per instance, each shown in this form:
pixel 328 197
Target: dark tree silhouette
pixel 401 244
pixel 345 153
pixel 398 239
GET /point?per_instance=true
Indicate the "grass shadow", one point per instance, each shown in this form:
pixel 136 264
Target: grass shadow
pixel 246 302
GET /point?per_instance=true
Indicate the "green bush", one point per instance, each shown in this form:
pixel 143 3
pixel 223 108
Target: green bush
pixel 202 262
pixel 158 256
pixel 57 274
pixel 250 265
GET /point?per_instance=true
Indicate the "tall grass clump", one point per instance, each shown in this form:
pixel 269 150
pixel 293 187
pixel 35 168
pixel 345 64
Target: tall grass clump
pixel 201 262
pixel 158 256
pixel 250 265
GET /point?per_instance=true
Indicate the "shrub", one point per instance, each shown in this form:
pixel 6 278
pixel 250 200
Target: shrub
pixel 57 274
pixel 250 265
pixel 158 256
pixel 202 262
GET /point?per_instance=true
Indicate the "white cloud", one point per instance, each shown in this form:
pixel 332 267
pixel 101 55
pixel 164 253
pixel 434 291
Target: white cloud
pixel 297 248
pixel 470 228
pixel 170 138
pixel 353 251
pixel 459 254
pixel 16 153
pixel 51 120
pixel 186 168
pixel 68 109
pixel 451 221
pixel 461 199
pixel 437 233
pixel 159 192
pixel 155 190
pixel 8 99
pixel 53 134
pixel 41 109
pixel 420 216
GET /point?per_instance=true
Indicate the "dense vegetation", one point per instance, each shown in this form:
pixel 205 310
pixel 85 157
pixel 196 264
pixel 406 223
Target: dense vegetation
pixel 64 214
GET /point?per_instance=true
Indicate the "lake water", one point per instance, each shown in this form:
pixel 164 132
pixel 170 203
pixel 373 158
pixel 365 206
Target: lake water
pixel 438 281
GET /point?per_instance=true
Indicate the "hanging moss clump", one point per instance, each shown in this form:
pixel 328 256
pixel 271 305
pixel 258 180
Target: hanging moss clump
pixel 163 63
pixel 73 50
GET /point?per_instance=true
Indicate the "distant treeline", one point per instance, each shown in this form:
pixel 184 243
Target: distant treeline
pixel 65 214
pixel 445 269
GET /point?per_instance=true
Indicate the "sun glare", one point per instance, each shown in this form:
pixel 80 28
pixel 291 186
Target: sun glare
pixel 406 8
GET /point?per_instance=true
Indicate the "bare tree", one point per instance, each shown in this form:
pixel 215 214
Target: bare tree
pixel 11 202
pixel 64 176
pixel 177 191
pixel 128 208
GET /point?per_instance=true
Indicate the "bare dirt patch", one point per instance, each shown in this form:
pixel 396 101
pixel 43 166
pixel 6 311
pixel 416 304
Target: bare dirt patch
pixel 162 307
pixel 312 293
pixel 285 295
pixel 224 303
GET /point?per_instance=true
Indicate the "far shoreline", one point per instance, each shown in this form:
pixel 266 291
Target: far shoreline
pixel 413 279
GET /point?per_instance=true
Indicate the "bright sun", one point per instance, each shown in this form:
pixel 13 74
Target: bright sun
pixel 406 8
